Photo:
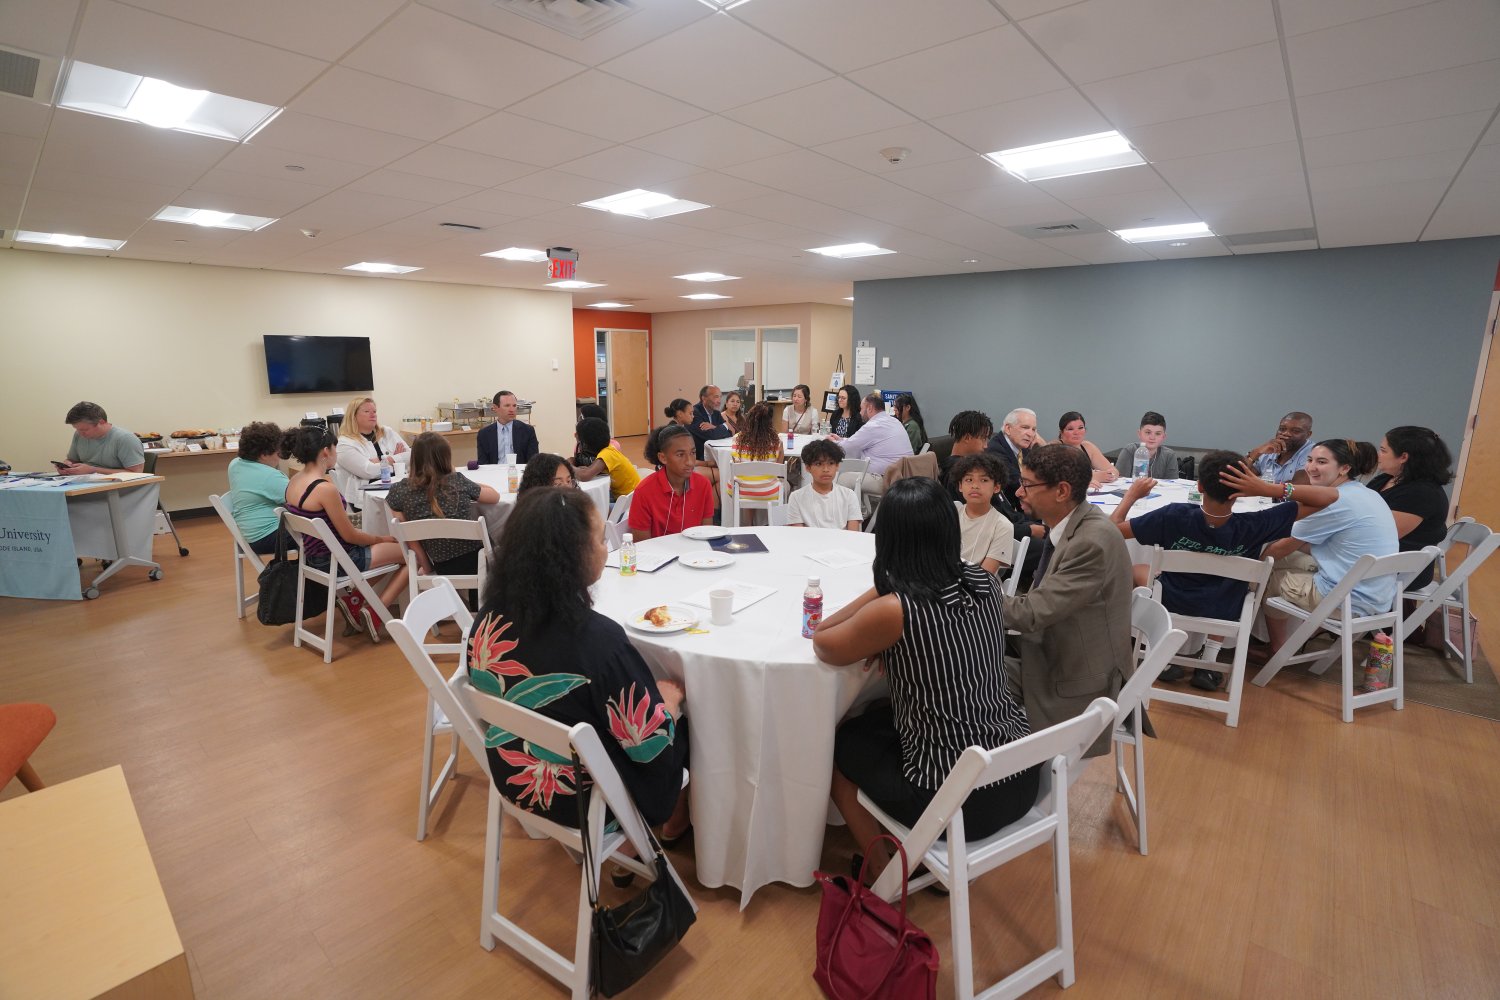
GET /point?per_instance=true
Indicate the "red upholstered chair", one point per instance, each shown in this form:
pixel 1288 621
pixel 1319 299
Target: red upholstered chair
pixel 23 726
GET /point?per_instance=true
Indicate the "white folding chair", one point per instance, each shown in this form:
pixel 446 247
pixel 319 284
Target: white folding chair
pixel 1405 566
pixel 621 510
pixel 1018 549
pixel 1157 642
pixel 407 532
pixel 436 605
pixel 955 863
pixel 776 470
pixel 341 574
pixel 926 447
pixel 243 554
pixel 852 472
pixel 484 710
pixel 1450 591
pixel 614 536
pixel 1235 633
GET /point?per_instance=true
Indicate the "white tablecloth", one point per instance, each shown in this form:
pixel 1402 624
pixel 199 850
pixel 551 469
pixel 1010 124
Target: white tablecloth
pixel 1170 491
pixel 377 513
pixel 761 708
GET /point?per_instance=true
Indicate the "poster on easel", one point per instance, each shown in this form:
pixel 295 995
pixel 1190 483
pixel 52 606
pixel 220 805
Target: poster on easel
pixel 837 381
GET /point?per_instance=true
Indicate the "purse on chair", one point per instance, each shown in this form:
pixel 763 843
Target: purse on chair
pixel 278 588
pixel 868 949
pixel 628 940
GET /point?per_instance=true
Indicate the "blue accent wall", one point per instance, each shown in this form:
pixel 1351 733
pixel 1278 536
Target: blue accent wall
pixel 1363 338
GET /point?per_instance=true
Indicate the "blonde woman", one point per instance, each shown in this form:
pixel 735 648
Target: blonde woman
pixel 364 446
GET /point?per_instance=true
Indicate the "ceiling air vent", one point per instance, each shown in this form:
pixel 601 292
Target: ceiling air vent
pixel 578 18
pixel 1066 227
pixel 26 75
pixel 1062 227
pixel 1272 236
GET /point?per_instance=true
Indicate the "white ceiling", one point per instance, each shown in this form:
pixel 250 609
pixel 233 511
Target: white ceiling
pixel 1369 121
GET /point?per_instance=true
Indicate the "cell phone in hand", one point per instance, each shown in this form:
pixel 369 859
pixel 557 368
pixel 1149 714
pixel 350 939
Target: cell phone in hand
pixel 60 465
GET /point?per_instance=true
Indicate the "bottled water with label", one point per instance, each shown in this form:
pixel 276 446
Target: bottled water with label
pixel 1142 464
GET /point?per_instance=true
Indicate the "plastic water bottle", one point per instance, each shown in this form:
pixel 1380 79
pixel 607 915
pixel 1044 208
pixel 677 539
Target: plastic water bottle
pixel 1142 463
pixel 627 556
pixel 791 437
pixel 385 474
pixel 812 606
pixel 512 478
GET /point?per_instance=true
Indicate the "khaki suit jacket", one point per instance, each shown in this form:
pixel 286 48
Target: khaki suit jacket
pixel 1075 624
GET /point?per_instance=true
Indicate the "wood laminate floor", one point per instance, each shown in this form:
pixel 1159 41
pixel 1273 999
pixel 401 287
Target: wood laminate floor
pixel 1294 856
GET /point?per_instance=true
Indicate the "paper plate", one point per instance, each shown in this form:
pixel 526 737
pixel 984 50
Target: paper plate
pixel 707 560
pixel 704 532
pixel 681 618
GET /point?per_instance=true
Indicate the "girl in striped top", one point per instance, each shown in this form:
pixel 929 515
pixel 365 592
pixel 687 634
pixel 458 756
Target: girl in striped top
pixel 936 624
pixel 757 441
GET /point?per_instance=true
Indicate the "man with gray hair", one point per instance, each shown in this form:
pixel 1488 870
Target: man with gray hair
pixel 881 438
pixel 1017 435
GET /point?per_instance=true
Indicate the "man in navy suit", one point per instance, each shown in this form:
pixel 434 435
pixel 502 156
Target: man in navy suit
pixel 1017 435
pixel 507 435
pixel 708 422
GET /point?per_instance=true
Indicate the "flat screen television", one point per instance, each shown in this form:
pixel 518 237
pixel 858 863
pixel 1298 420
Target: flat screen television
pixel 318 364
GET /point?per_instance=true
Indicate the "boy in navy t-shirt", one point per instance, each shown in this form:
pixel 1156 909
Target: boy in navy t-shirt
pixel 1213 528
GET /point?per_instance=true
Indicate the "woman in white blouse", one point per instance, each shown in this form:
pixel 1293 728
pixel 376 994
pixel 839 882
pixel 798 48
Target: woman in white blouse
pixel 364 446
pixel 801 418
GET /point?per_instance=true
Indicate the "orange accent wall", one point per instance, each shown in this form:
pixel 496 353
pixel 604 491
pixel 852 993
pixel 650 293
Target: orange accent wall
pixel 585 322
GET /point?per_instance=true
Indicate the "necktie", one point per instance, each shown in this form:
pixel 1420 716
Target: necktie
pixel 1046 557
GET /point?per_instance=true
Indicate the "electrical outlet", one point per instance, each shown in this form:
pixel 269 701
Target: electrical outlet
pixel 885 362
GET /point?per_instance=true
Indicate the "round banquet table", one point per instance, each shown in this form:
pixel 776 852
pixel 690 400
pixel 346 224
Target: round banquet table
pixel 761 707
pixel 377 513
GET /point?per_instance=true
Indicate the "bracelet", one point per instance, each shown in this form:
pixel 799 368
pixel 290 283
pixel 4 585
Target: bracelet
pixel 1286 492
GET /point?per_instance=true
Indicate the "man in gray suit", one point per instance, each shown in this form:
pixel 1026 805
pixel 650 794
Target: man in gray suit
pixel 1075 621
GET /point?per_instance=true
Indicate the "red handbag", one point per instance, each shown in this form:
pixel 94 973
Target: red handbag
pixel 867 949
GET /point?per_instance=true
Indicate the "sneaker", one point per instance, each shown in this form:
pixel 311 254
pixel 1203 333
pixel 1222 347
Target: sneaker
pixel 1172 673
pixel 370 622
pixel 349 607
pixel 1207 680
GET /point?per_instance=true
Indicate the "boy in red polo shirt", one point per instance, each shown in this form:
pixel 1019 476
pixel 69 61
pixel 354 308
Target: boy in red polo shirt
pixel 671 498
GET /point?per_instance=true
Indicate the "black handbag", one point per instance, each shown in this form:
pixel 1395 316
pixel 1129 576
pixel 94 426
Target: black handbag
pixel 278 589
pixel 628 940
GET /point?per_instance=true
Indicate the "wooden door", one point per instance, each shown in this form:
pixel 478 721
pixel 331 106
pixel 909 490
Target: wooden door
pixel 1478 487
pixel 629 383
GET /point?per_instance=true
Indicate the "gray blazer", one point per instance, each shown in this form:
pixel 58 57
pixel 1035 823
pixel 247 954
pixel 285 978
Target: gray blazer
pixel 1075 625
pixel 1163 463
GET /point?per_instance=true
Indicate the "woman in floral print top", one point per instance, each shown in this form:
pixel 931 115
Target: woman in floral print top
pixel 538 642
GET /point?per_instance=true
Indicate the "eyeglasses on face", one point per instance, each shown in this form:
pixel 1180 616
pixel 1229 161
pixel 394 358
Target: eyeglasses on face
pixel 1023 486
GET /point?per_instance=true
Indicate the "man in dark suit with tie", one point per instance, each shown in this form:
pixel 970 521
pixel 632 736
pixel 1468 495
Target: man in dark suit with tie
pixel 1075 620
pixel 507 435
pixel 708 422
pixel 1017 434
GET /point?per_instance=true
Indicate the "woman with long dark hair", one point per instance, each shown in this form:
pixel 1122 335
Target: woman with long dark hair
pixel 538 621
pixel 1414 466
pixel 847 420
pixel 1071 430
pixel 757 441
pixel 734 409
pixel 936 624
pixel 547 470
pixel 910 415
pixel 432 489
pixel 801 416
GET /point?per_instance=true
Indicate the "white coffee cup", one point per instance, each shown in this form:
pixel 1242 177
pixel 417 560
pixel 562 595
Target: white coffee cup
pixel 510 458
pixel 721 606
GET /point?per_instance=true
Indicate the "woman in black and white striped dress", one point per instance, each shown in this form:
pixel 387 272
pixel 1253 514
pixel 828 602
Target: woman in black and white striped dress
pixel 935 621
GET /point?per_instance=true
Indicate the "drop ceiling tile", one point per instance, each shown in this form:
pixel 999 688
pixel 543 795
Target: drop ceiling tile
pixel 1435 36
pixel 1470 208
pixel 567 188
pixel 926 146
pixel 1008 206
pixel 1240 128
pixel 18 155
pixel 605 106
pixel 966 174
pixel 359 210
pixel 886 28
pixel 124 149
pixel 502 202
pixel 1100 39
pixel 1194 248
pixel 19 117
pixel 1103 183
pixel 971 72
pixel 717 63
pixel 41 27
pixel 1349 177
pixel 1475 87
pixel 629 167
pixel 711 188
pixel 794 170
pixel 398 184
pixel 1387 213
pixel 429 224
pixel 647 22
pixel 714 142
pixel 138 41
pixel 515 138
pixel 1018 10
pixel 267 161
pixel 923 215
pixel 1457 132
pixel 803 213
pixel 356 98
pixel 1097 248
pixel 690 237
pixel 854 193
pixel 428 49
pixel 1235 165
pixel 1031 120
pixel 1141 208
pixel 300 133
pixel 1242 78
pixel 824 112
pixel 462 165
pixel 1274 247
pixel 1265 210
pixel 270 196
pixel 1301 18
pixel 1492 135
pixel 325 29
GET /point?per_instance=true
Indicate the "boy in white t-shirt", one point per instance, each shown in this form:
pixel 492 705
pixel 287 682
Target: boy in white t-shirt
pixel 986 536
pixel 823 503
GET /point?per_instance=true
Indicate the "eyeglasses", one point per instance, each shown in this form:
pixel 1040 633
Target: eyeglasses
pixel 1023 486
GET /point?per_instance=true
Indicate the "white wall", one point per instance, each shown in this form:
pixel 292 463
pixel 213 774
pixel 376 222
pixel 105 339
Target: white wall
pixel 165 346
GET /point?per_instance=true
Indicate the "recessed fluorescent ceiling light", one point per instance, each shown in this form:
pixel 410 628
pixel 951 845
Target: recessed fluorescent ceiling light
pixel 518 253
pixel 575 283
pixel 643 204
pixel 381 268
pixel 722 4
pixel 210 218
pixel 708 276
pixel 1153 234
pixel 1084 154
pixel 851 250
pixel 701 296
pixel 100 91
pixel 65 240
pixel 608 305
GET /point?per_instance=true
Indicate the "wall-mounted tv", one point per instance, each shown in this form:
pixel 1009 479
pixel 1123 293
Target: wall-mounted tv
pixel 318 364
